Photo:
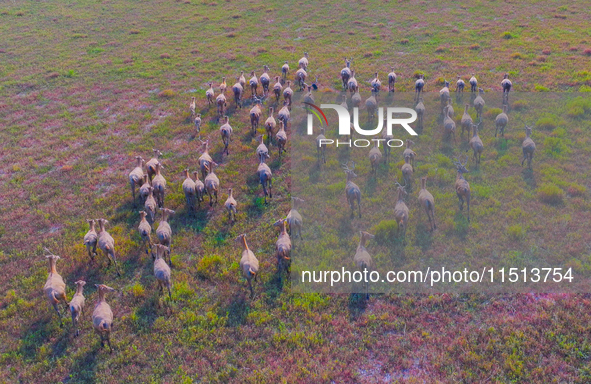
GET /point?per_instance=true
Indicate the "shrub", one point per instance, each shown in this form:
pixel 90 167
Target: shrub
pixel 166 94
pixel 576 190
pixel 516 232
pixel 546 123
pixel 440 49
pixel 547 51
pixel 584 88
pixel 507 35
pixel 134 32
pixel 541 88
pixel 492 113
pixel 587 52
pixel 474 47
pixel 516 56
pixel 519 105
pixel 404 41
pixel 165 56
pixel 137 290
pixel 555 146
pixel 550 194
pixel 418 74
pixel 385 232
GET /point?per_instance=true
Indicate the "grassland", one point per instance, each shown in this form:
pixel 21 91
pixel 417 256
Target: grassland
pixel 86 86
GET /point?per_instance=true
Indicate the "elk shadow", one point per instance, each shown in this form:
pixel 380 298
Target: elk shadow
pixel 529 177
pixel 236 310
pixel 38 333
pixel 194 220
pixel 147 313
pixel 357 305
pixel 423 234
pixel 274 286
pixel 314 173
pixel 84 368
pixel 372 184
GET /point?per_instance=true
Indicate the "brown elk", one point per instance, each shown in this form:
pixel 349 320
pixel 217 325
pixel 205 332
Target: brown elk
pixel 462 186
pixel 352 191
pixel 428 203
pixel 528 147
pixel 346 73
pixel 476 143
pixel 226 134
pixel 401 211
pixel 362 258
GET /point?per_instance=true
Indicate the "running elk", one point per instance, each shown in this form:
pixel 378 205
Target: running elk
pixel 352 191
pixel 462 186
pixel 528 147
pixel 427 202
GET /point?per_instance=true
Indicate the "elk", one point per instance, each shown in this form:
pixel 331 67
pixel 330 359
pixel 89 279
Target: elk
pixel 473 84
pixel 265 80
pixel 462 186
pixel 189 190
pixel 262 150
pixel 107 244
pixel 501 121
pixel 159 184
pixel 90 240
pixel 449 125
pixel 294 219
pixel 242 79
pixel 255 116
pixel 230 205
pixel 151 164
pixel 136 176
pixel 362 258
pixel 346 73
pixel 356 98
pixel 320 147
pixel 192 107
pixel 265 178
pixel 283 247
pixel 303 63
pixel 205 160
pixel 249 265
pixel 210 94
pixel 281 138
pixel 285 69
pixel 375 157
pixel 164 232
pixel 300 78
pixel 420 109
pixel 270 125
pixel 352 83
pixel 460 84
pixel 284 115
pixel 428 203
pixel 77 306
pixel 212 185
pixel 352 191
pixel 419 85
pixel 376 84
pixel 162 271
pixel 55 287
pixel 466 121
pixel 528 147
pixel 145 230
pixel 407 171
pixel 309 97
pixel 506 84
pixel 150 204
pixel 409 153
pixel 444 94
pixel 102 316
pixel 221 104
pixel 479 103
pixel 344 102
pixel 391 80
pixel 199 188
pixel 287 94
pixel 197 122
pixel 476 143
pixel 401 211
pixel 223 85
pixel 371 104
pixel 226 134
pixel 277 88
pixel 237 90
pixel 254 83
pixel 145 188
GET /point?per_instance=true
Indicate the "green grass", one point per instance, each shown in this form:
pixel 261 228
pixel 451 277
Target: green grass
pixel 86 86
